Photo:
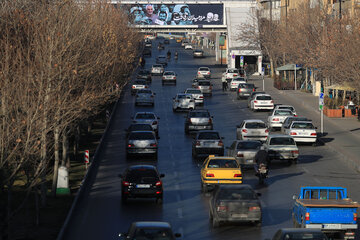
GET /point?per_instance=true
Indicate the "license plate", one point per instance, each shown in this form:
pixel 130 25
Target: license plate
pixel 332 226
pixel 249 161
pixel 255 132
pixel 241 215
pixel 143 186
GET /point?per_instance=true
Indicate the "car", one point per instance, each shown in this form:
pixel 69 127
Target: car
pixel 141 143
pixel 287 122
pixel 291 108
pixel 148 44
pixel 235 203
pixel 231 73
pixel 277 117
pixel 262 102
pixel 166 41
pixel 141 181
pixel 147 52
pixel 149 118
pixel 244 151
pixel 281 147
pixel 198 119
pixel 197 95
pixel 203 72
pixel 161 60
pixel 196 80
pixel 219 170
pixel 302 131
pixel 160 46
pixel 234 83
pixel 144 74
pixel 149 230
pixel 198 53
pixel 183 101
pixel 184 42
pixel 252 129
pixel 188 46
pixel 138 127
pixel 159 38
pixel 137 85
pixel 207 142
pixel 157 69
pixel 205 87
pixel 251 97
pixel 145 96
pixel 169 77
pixel 299 234
pixel 244 90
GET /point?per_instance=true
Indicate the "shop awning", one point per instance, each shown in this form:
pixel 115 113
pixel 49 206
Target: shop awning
pixel 288 67
pixel 343 87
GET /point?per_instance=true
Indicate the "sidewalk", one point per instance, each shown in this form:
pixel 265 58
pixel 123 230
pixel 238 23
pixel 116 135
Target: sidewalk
pixel 340 134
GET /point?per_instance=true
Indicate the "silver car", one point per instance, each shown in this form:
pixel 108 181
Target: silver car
pixel 145 96
pixel 141 142
pixel 198 119
pixel 277 117
pixel 204 72
pixel 207 143
pixel 244 151
pixel 197 95
pixel 183 101
pixel 205 86
pixel 282 147
pixel 169 77
pixel 198 53
pixel 149 118
pixel 252 129
pixel 157 69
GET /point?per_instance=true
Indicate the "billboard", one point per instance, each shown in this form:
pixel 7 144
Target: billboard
pixel 175 14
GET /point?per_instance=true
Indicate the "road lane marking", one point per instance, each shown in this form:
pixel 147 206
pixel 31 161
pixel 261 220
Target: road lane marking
pixel 317 180
pixel 180 213
pixel 307 171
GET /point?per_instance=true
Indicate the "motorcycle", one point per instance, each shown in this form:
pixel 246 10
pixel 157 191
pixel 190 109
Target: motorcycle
pixel 176 57
pixel 262 173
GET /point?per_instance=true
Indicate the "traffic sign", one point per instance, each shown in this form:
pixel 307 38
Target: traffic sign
pixel 241 61
pixel 86 157
pixel 233 56
pixel 263 70
pixel 321 101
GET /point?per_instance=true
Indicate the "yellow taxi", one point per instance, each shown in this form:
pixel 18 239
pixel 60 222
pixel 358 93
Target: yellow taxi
pixel 219 170
pixel 178 40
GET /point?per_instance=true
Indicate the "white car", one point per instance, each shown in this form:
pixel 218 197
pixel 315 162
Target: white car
pixel 137 85
pixel 262 102
pixel 281 106
pixel 203 72
pixel 235 83
pixel 188 46
pixel 157 69
pixel 278 116
pixel 197 95
pixel 183 101
pixel 302 131
pixel 231 73
pixel 252 129
pixel 169 77
pixel 281 147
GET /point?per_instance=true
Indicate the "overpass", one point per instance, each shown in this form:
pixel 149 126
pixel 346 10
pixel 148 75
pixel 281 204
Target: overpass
pixel 221 17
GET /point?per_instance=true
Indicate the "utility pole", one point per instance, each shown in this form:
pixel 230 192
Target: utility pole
pixel 340 9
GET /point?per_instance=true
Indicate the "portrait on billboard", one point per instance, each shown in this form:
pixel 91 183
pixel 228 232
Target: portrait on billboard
pixel 175 14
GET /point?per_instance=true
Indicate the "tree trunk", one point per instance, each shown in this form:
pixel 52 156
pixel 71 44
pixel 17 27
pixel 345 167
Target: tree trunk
pixel 65 149
pixel 272 72
pixel 284 63
pixel 56 161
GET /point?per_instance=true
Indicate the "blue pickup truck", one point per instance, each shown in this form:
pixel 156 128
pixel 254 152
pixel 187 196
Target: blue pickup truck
pixel 328 209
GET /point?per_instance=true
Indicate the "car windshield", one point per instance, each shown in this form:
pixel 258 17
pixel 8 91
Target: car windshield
pixel 145 116
pixel 203 69
pixel 249 145
pixel 209 135
pixel 193 91
pixel 236 194
pixel 204 83
pixel 283 113
pixel 140 127
pixel 222 163
pixel 141 136
pixel 302 125
pixel 233 71
pixel 169 73
pixel 153 233
pixel 282 141
pixel 199 114
pixel 254 125
pixel 303 236
pixel 143 175
pixel 263 97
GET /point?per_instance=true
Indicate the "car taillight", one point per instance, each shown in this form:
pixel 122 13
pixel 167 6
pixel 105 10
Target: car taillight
pixel 239 90
pixel 158 183
pixel 177 101
pixel 222 208
pixel 154 123
pixel 293 133
pixel 130 145
pixel 201 97
pixel 267 130
pixel 237 175
pixel 153 145
pixel 220 143
pixel 307 216
pixel 272 101
pixel 313 134
pixel 133 86
pixel 199 72
pixel 355 217
pixel 198 87
pixel 255 208
pixel 197 143
pixel 146 86
pixel 210 87
pixel 253 89
pixel 163 78
pixel 235 75
pixel 244 130
pixel 174 77
pixel 240 154
pixel 210 175
pixel 255 101
pixel 275 119
pixel 295 152
pixel 125 183
pixel 295 115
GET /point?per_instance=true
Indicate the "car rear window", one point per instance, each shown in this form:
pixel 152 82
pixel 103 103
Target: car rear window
pixel 233 71
pixel 144 91
pixel 286 107
pixel 199 114
pixel 263 97
pixel 143 175
pixel 236 194
pixel 168 73
pixel 254 125
pixel 157 66
pixel 282 141
pixel 140 82
pixel 252 86
pixel 141 136
pixel 193 91
pixel 203 68
pixel 239 79
pixel 303 236
pixel 282 112
pixel 209 135
pixel 145 116
pixel 140 127
pixel 302 125
pixel 249 145
pixel 222 163
pixel 204 83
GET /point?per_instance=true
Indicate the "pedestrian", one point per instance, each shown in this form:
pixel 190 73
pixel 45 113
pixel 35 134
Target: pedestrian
pixel 224 83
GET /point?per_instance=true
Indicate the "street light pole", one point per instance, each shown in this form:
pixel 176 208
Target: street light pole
pixel 295 76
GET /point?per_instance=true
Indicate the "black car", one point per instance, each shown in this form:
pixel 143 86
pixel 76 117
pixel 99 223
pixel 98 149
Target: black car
pixel 150 230
pixel 147 52
pixel 198 119
pixel 166 41
pixel 144 74
pixel 138 127
pixel 234 203
pixel 299 234
pixel 141 181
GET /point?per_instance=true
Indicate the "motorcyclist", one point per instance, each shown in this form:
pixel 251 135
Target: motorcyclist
pixel 176 55
pixel 261 157
pixel 169 53
pixel 142 61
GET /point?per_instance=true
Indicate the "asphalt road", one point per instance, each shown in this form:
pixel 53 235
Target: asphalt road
pixel 102 216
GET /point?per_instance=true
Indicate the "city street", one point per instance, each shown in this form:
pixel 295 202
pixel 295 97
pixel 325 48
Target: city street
pixel 103 216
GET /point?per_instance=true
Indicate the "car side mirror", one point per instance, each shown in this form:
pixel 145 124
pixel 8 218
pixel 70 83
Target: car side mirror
pixel 162 175
pixel 295 197
pixel 258 194
pixel 120 176
pixel 177 235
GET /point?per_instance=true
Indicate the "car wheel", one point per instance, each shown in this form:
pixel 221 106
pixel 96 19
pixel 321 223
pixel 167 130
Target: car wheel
pixel 186 130
pixel 174 110
pixel 128 156
pixel 215 223
pixel 162 83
